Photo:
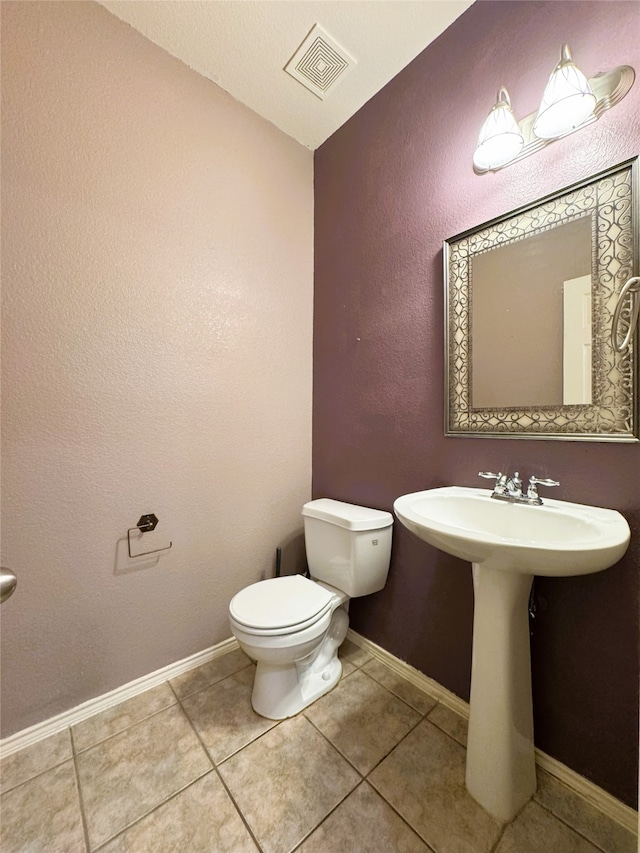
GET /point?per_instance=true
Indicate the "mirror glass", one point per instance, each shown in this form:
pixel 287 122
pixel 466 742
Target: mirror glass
pixel 529 304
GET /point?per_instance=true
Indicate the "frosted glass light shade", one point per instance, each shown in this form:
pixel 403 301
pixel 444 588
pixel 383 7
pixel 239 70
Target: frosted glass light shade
pixel 568 100
pixel 500 139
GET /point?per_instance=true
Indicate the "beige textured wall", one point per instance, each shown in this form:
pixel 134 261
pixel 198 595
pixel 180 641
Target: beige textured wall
pixel 157 331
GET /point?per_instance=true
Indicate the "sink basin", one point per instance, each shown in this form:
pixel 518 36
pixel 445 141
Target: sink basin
pixel 557 538
pixel 507 544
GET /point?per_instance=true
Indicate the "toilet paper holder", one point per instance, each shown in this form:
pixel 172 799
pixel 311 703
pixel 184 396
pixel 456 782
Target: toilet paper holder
pixel 146 523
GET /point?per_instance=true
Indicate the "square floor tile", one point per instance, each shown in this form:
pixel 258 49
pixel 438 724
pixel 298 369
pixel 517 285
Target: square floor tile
pixel 537 831
pixel 405 690
pixel 200 819
pixel 584 818
pixel 123 778
pixel 363 823
pixel 35 759
pixel 423 779
pixel 350 653
pixel 347 668
pixel 43 815
pixel 223 716
pixel 207 674
pixel 286 782
pixel 362 719
pixel 450 722
pixel 120 717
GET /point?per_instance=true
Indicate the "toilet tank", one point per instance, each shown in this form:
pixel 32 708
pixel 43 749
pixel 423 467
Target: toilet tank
pixel 348 546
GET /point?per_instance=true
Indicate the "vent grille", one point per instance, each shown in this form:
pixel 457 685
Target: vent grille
pixel 320 63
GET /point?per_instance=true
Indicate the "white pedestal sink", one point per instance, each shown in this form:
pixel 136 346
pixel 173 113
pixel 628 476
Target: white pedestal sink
pixel 507 544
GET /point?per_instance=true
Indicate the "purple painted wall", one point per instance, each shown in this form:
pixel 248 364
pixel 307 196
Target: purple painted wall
pixel 390 185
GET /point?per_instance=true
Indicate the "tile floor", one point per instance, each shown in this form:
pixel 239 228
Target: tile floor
pixel 187 767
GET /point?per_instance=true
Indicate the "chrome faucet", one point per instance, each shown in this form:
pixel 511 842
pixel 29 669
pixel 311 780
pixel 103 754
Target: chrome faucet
pixel 509 488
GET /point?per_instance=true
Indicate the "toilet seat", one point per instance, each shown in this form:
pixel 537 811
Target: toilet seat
pixel 280 606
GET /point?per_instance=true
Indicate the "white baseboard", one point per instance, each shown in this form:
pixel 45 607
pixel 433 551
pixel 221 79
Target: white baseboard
pixel 595 796
pixel 33 734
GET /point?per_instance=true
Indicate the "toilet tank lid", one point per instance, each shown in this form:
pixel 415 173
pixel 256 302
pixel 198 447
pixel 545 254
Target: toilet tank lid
pixel 347 515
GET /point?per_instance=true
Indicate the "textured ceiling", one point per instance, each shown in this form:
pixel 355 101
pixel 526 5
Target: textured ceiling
pixel 244 45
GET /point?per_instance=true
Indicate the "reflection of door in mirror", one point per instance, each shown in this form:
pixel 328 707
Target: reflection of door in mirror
pixel 577 373
pixel 517 327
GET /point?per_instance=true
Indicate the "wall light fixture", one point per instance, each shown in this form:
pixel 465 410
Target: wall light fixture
pixel 569 102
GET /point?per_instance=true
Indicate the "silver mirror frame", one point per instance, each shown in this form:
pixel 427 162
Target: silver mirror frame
pixel 611 199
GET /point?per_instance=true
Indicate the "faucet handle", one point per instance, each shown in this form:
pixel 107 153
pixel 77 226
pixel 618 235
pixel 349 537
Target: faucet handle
pixel 534 482
pixel 501 481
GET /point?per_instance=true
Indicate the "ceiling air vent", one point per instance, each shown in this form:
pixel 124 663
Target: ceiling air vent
pixel 320 63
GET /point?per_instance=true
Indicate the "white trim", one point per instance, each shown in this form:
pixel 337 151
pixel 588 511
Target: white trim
pixel 595 796
pixel 417 678
pixel 27 737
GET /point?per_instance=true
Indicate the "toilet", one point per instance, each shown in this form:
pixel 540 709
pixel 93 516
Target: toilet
pixel 292 626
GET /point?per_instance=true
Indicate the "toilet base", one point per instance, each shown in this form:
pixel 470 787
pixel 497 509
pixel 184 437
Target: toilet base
pixel 278 692
pixel 283 690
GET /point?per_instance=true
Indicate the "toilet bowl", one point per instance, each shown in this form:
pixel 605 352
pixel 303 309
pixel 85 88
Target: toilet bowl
pixel 292 626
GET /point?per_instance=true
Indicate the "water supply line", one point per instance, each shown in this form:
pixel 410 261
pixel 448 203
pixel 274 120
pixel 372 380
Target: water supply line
pixel 278 561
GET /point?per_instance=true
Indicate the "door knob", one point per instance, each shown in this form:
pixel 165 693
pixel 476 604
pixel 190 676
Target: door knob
pixel 8 582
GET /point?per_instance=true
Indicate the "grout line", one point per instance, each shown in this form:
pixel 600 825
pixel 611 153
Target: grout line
pixel 346 758
pixel 207 686
pixel 231 755
pixel 607 805
pixel 385 800
pixel 337 748
pixel 150 812
pixel 164 801
pixel 219 775
pixel 126 728
pixel 38 774
pixel 83 817
pixel 40 731
pixel 195 731
pixel 562 820
pixel 364 777
pixel 499 838
pixel 400 815
pixel 391 805
pixel 332 745
pixel 397 695
pixel 404 737
pixel 327 816
pixel 427 717
pixel 506 825
pixel 394 695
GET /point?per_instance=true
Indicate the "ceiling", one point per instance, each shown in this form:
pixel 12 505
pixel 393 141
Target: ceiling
pixel 244 45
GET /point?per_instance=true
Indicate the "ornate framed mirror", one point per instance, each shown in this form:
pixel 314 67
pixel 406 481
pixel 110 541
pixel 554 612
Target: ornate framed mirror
pixel 529 303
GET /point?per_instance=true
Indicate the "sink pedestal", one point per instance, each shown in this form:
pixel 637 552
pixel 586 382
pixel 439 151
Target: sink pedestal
pixel 507 544
pixel 500 772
